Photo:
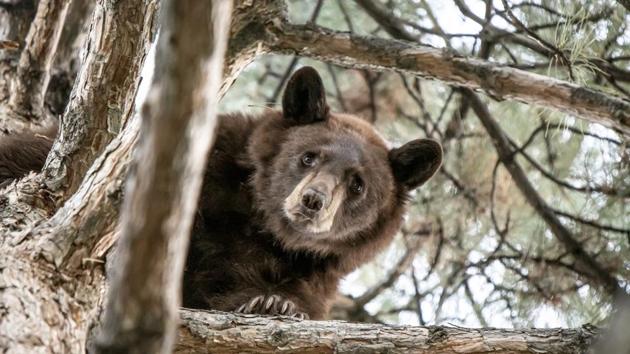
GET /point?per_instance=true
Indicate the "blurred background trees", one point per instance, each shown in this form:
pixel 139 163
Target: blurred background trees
pixel 475 251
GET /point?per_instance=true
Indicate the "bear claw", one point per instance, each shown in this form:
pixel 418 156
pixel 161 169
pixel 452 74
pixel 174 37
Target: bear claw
pixel 271 305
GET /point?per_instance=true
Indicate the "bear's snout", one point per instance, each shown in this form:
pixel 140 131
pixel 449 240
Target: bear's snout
pixel 313 200
pixel 313 203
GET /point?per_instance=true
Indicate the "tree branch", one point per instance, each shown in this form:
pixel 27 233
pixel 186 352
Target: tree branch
pixel 219 332
pixel 585 262
pixel 179 118
pixel 500 81
pixel 15 22
pixel 33 71
pixel 104 91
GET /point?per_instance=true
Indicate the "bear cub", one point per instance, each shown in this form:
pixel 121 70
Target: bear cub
pixel 292 201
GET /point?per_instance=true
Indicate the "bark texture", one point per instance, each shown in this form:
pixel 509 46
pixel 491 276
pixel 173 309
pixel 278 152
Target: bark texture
pixel 498 81
pixel 105 89
pixel 33 72
pixel 216 332
pixel 179 118
pixel 52 287
pixel 15 21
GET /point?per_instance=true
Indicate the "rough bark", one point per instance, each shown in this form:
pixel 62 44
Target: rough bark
pixel 216 332
pixel 52 285
pixel 45 310
pixel 179 118
pixel 101 102
pixel 15 21
pixel 103 94
pixel 33 71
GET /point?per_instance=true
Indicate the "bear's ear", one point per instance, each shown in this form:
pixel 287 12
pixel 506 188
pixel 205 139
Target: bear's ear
pixel 304 99
pixel 415 162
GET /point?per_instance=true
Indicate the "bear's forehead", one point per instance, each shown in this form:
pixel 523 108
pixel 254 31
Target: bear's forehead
pixel 345 147
pixel 348 123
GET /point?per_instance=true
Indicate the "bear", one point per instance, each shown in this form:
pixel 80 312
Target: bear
pixel 23 153
pixel 292 201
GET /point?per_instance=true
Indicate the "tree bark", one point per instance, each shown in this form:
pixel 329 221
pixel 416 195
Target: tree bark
pixel 15 21
pixel 33 71
pixel 52 287
pixel 498 81
pixel 104 92
pixel 217 332
pixel 179 118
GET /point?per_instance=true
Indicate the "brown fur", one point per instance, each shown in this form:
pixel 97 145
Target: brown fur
pixel 23 153
pixel 245 254
pixel 243 245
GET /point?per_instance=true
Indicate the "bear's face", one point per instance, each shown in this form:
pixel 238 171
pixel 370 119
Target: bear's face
pixel 324 179
pixel 328 181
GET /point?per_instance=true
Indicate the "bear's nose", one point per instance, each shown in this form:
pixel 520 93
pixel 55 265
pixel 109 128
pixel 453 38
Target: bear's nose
pixel 313 199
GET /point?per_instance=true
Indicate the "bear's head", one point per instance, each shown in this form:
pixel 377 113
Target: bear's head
pixel 327 182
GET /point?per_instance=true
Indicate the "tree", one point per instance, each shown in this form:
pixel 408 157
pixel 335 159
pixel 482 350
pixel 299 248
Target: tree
pixel 59 226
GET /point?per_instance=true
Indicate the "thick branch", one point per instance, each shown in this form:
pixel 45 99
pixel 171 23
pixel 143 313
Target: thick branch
pixel 584 261
pixel 178 122
pixel 33 71
pixel 105 89
pixel 378 54
pixel 217 332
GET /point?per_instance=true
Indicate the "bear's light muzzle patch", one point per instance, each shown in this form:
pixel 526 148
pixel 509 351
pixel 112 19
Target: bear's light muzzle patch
pixel 315 221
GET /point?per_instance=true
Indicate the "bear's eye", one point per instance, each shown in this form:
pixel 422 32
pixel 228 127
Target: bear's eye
pixel 308 159
pixel 356 185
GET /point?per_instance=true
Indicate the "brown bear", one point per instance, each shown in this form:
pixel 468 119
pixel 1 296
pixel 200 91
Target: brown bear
pixel 295 200
pixel 292 201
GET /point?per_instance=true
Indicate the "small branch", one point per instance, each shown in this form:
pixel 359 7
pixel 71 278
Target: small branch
pixel 586 263
pixel 33 71
pixel 390 24
pixel 218 332
pixel 178 117
pixel 415 242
